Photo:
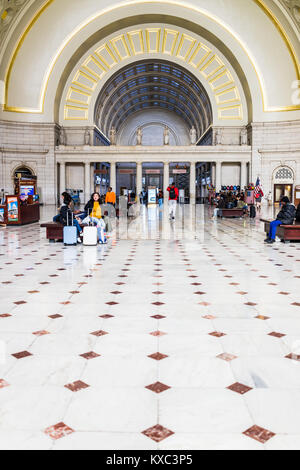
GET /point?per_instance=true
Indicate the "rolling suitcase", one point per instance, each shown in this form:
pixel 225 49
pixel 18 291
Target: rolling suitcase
pixel 70 233
pixel 90 236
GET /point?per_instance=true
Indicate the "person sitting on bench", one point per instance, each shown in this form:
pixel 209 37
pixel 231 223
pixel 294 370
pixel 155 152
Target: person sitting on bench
pixel 220 206
pixel 285 217
pixel 67 201
pixel 65 218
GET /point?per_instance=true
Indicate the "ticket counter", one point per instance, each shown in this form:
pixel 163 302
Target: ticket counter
pixel 19 211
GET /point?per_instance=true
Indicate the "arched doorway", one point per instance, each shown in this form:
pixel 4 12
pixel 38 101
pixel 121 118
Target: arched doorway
pixel 283 182
pixel 23 172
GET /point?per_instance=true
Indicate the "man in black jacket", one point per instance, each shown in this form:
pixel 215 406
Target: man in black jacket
pixel 285 217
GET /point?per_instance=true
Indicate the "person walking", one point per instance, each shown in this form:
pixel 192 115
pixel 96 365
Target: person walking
pixel 160 198
pixel 173 198
pixel 285 217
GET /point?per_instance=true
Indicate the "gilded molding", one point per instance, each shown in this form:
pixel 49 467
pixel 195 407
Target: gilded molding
pixel 260 3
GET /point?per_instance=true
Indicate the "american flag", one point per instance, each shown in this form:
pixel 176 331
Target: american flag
pixel 258 188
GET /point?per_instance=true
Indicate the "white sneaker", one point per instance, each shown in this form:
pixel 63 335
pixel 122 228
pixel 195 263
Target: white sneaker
pixel 79 240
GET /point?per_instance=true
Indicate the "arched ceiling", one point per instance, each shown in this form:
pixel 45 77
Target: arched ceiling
pixel 66 26
pixel 153 84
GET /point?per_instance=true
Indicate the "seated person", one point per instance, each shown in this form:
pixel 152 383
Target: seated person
pixel 65 218
pixel 285 217
pixel 94 216
pixel 241 204
pixel 298 214
pixel 66 201
pixel 220 206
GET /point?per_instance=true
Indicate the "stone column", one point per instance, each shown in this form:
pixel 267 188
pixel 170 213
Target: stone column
pixel 166 179
pixel 139 179
pixel 113 182
pixel 87 181
pixel 62 177
pixel 213 174
pixel 218 176
pixel 192 183
pixel 243 175
pixel 92 177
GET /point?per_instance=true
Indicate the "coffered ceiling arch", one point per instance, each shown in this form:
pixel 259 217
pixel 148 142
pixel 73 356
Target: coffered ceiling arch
pixel 270 93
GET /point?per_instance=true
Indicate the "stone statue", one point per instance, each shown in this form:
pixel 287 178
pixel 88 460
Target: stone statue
pixel 166 135
pixel 218 138
pixel 87 137
pixel 113 136
pixel 193 136
pixel 139 136
pixel 243 137
pixel 62 137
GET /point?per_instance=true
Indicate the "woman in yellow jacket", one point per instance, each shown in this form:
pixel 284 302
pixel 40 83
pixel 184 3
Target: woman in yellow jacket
pixel 93 209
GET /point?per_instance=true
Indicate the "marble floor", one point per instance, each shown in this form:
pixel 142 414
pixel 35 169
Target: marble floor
pixel 180 335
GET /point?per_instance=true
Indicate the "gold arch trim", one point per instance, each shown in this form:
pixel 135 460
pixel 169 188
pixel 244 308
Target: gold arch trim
pixel 40 109
pixel 155 42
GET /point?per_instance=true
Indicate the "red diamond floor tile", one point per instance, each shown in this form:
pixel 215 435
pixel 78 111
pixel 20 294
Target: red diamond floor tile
pixel 239 388
pixel 277 335
pixel 3 384
pixel 227 357
pixel 90 355
pixel 58 431
pixel 158 356
pixel 217 334
pixel 259 434
pixel 77 386
pixel 158 333
pixel 158 387
pixel 158 433
pixel 99 333
pixel 41 333
pixel 158 317
pixel 22 355
pixel 294 357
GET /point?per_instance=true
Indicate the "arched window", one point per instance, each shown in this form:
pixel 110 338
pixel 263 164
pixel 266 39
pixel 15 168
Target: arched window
pixel 24 171
pixel 284 173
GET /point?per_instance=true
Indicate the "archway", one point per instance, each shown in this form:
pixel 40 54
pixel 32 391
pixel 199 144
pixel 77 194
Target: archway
pixel 134 95
pixel 283 183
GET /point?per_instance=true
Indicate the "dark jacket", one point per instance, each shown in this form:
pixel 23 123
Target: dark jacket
pixel 65 215
pixel 89 206
pixel 298 214
pixel 287 214
pixel 221 204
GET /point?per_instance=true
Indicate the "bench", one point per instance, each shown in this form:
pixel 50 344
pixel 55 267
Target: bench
pixel 232 213
pixel 286 233
pixel 54 231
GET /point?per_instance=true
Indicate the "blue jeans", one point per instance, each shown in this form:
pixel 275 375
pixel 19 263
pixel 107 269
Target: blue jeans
pixel 160 202
pixel 56 218
pixel 77 225
pixel 273 228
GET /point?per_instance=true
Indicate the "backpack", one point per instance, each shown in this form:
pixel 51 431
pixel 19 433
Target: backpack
pixel 172 193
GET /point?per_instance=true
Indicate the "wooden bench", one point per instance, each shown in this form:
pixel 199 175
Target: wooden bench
pixel 232 213
pixel 54 231
pixel 286 233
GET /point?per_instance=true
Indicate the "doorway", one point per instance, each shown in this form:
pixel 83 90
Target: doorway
pixel 281 190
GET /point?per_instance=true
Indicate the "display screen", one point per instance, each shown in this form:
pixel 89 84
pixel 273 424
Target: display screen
pixel 26 191
pixel 12 209
pixel 151 196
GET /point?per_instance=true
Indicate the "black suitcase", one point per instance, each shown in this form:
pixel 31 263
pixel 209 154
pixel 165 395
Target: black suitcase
pixel 252 212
